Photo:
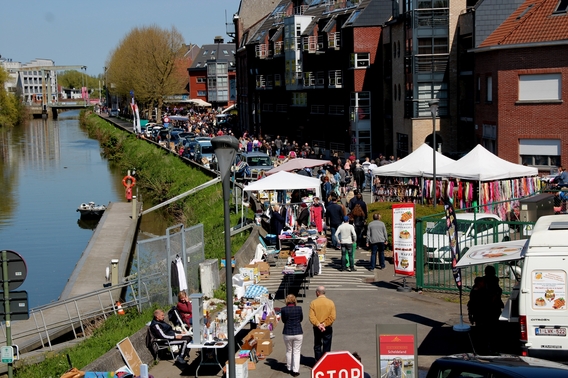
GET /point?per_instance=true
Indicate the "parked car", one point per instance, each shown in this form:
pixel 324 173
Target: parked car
pixel 204 150
pixel 473 229
pixel 504 366
pixel 113 112
pixel 255 163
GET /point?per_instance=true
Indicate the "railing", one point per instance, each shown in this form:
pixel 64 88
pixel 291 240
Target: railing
pixel 77 310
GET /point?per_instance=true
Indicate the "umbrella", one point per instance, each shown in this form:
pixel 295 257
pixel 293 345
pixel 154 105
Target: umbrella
pixel 298 163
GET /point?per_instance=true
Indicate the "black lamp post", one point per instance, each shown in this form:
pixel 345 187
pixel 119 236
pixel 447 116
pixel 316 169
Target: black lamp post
pixel 226 147
pixel 434 110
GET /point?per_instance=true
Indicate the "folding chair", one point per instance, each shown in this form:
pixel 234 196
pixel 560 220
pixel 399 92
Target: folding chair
pixel 156 345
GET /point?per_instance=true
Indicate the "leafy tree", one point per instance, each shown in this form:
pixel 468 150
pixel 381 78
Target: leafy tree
pixel 10 107
pixel 145 62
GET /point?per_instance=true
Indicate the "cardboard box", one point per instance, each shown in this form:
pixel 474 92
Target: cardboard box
pixel 249 342
pixel 251 365
pixel 250 273
pixel 260 334
pixel 264 347
pixel 284 254
pixel 263 268
pixel 272 320
pixel 241 367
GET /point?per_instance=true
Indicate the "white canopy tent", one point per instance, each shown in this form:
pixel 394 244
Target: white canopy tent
pixel 482 165
pixel 415 164
pixel 285 181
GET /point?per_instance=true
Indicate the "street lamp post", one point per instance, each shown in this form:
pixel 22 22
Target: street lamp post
pixel 226 147
pixel 434 110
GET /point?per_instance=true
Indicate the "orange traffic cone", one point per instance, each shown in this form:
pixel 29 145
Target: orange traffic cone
pixel 119 309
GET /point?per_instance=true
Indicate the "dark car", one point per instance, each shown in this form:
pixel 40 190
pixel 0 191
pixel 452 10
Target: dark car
pixel 474 366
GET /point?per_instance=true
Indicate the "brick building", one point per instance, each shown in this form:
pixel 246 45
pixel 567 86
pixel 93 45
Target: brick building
pixel 212 74
pixel 521 76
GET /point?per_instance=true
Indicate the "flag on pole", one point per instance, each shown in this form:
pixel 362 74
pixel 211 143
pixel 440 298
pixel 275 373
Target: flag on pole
pixel 451 223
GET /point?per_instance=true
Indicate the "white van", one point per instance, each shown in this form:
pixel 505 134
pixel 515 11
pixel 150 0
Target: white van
pixel 538 300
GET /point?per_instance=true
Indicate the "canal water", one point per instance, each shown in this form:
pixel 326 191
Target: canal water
pixel 47 169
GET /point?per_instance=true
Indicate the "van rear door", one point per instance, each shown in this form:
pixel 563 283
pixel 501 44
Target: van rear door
pixel 542 305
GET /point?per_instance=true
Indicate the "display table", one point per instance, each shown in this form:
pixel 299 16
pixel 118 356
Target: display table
pixel 295 271
pixel 208 345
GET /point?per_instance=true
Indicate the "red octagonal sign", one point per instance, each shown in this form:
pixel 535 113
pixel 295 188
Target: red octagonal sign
pixel 338 365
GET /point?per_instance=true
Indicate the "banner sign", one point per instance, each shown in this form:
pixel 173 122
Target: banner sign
pixel 403 232
pixel 451 222
pixel 396 350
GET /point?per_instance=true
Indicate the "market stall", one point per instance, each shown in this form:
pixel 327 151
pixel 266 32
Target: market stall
pixel 403 179
pixel 484 177
pixel 284 181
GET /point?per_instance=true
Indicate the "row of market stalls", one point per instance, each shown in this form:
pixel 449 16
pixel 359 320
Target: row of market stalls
pixel 480 177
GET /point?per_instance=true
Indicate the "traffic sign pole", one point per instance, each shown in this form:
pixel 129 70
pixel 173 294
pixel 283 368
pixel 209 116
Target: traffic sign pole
pixel 7 306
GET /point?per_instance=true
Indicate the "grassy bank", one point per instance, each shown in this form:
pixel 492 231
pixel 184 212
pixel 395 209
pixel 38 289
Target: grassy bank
pixel 161 176
pixel 104 337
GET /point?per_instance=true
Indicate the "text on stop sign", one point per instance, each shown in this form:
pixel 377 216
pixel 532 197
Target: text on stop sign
pixel 341 373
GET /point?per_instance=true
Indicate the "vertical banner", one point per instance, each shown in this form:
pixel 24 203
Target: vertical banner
pixel 396 350
pixel 136 118
pixel 403 231
pixel 451 223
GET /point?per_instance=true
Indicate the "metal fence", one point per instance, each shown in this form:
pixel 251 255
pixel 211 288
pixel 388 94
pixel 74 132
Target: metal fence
pixel 155 260
pixel 433 256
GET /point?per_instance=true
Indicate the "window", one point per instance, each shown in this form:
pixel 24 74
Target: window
pixel 430 45
pixel 360 60
pixel 281 108
pixel 201 80
pixel 299 99
pixel 541 87
pixel 562 7
pixel 478 89
pixel 489 89
pixel 205 52
pixel 318 109
pixel 268 108
pixel 540 152
pixel 202 93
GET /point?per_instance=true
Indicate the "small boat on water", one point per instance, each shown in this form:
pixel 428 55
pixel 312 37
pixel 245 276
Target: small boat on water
pixel 91 210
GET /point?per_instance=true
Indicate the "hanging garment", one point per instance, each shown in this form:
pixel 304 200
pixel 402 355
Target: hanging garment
pixel 174 283
pixel 181 275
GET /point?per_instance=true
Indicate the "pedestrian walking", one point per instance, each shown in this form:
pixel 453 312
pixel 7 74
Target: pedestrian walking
pixel 358 211
pixel 377 239
pixel 322 317
pixel 346 236
pixel 292 318
pixel 334 215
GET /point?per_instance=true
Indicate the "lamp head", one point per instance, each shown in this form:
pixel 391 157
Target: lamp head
pixel 433 104
pixel 225 147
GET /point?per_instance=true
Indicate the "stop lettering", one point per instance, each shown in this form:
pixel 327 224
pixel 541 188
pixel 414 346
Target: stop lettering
pixel 338 365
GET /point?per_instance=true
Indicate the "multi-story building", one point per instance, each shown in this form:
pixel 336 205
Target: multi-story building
pixel 521 76
pixel 212 75
pixel 312 72
pixel 30 81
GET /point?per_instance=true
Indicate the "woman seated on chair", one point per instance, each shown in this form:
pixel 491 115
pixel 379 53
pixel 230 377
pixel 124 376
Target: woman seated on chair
pixel 184 308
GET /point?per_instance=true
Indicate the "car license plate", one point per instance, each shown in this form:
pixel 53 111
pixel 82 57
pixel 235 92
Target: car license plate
pixel 550 331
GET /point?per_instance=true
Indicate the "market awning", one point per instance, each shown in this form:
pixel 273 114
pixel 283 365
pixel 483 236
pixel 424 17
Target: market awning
pixel 298 163
pixel 494 253
pixel 199 102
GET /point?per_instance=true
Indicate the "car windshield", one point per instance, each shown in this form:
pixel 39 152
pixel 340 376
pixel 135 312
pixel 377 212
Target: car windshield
pixel 441 227
pixel 259 161
pixel 207 149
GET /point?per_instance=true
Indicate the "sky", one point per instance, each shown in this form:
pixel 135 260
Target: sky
pixel 76 32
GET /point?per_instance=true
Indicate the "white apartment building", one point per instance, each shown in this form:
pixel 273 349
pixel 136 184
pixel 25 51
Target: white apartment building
pixel 27 79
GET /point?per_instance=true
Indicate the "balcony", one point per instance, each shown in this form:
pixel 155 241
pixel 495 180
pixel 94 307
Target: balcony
pixel 309 44
pixel 335 79
pixel 261 51
pixel 278 48
pixel 334 41
pixel 260 82
pixel 309 80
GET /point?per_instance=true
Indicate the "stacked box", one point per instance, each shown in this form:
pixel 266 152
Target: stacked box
pixel 264 347
pixel 250 273
pixel 241 368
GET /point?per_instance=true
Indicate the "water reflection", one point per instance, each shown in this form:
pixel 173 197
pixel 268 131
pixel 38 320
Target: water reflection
pixel 87 224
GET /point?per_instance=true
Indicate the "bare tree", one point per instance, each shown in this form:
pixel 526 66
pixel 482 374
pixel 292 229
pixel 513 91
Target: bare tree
pixel 145 62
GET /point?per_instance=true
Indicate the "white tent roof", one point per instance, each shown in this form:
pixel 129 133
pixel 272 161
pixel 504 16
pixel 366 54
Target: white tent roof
pixel 415 164
pixel 481 165
pixel 285 181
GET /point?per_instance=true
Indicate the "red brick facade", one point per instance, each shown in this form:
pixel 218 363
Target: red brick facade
pixel 521 120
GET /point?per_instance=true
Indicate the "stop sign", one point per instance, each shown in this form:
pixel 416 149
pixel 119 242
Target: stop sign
pixel 338 365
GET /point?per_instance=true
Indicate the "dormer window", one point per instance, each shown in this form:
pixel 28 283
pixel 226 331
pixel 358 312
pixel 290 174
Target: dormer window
pixel 562 7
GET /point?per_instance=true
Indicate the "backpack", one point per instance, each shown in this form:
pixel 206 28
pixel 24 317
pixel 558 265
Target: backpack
pixel 358 211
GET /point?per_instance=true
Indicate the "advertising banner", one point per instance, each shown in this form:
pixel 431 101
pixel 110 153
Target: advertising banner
pixel 451 222
pixel 403 232
pixel 396 350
